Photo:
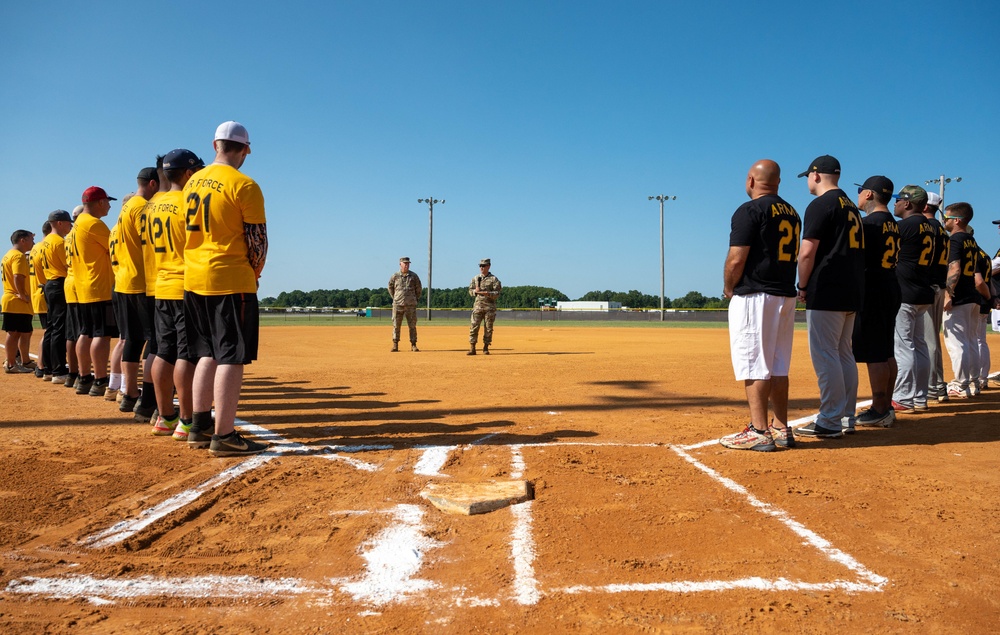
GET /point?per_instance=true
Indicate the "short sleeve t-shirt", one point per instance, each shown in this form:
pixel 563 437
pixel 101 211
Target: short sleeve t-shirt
pixel 771 228
pixel 131 275
pixel 69 251
pixel 984 265
pixel 939 270
pixel 148 261
pixel 837 279
pixel 166 237
pixel 915 269
pixel 54 257
pixel 92 260
pixel 962 248
pixel 219 199
pixel 36 278
pixel 14 263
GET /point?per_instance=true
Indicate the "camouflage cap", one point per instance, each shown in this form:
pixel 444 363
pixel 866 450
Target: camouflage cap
pixel 405 259
pixel 912 193
pixel 485 262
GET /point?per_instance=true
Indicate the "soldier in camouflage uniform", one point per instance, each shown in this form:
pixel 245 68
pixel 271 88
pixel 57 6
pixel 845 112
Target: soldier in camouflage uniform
pixel 405 289
pixel 485 288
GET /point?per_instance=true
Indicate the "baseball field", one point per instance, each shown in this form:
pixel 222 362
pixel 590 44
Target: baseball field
pixel 640 521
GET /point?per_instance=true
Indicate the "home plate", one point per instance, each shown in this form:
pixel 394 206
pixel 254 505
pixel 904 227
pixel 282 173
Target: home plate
pixel 476 498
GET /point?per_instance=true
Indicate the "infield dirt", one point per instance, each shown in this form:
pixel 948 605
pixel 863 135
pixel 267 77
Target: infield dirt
pixel 625 534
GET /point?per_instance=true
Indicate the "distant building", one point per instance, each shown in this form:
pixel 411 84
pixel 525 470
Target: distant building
pixel 588 306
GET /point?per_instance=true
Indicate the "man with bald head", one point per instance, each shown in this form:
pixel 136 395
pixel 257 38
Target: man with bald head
pixel 759 279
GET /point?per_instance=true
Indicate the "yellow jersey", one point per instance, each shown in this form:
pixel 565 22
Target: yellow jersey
pixel 14 263
pixel 69 287
pixel 54 257
pixel 219 199
pixel 92 260
pixel 112 252
pixel 148 261
pixel 167 236
pixel 131 274
pixel 36 278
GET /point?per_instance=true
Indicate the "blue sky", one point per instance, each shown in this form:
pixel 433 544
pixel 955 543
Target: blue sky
pixel 545 125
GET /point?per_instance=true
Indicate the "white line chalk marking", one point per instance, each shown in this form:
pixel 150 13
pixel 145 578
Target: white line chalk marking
pixel 522 542
pixel 392 558
pixel 797 422
pixel 809 537
pixel 759 584
pixel 433 459
pixel 127 528
pixel 75 586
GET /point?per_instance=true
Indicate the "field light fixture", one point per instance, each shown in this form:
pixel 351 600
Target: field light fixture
pixel 431 202
pixel 662 198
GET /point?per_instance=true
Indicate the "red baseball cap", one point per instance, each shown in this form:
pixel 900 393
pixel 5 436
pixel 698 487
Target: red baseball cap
pixel 94 193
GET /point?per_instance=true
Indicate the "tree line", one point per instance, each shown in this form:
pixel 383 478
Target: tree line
pixel 522 297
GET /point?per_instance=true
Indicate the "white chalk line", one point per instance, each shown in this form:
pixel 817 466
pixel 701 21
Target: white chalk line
pixel 522 542
pixel 378 586
pixel 797 423
pixel 121 531
pixel 77 586
pixel 874 582
pixel 433 457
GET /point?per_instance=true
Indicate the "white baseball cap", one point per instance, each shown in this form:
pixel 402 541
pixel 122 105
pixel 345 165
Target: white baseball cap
pixel 933 199
pixel 232 131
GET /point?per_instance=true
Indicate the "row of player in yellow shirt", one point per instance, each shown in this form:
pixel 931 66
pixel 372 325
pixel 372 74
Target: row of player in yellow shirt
pixel 146 247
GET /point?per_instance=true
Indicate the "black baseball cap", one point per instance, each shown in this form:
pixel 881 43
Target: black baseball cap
pixel 879 184
pixel 824 165
pixel 181 158
pixel 148 174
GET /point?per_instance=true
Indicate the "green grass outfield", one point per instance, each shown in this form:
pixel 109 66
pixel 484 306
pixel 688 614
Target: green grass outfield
pixel 463 320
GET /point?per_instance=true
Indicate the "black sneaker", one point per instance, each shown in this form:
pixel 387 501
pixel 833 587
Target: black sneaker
pixel 99 388
pixel 144 415
pixel 71 380
pixel 84 384
pixel 128 404
pixel 813 430
pixel 39 373
pixel 872 417
pixel 234 445
pixel 198 439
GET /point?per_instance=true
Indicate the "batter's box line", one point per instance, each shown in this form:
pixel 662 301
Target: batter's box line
pixel 798 422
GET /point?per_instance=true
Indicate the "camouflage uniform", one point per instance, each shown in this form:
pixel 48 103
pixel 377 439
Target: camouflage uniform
pixel 405 289
pixel 485 307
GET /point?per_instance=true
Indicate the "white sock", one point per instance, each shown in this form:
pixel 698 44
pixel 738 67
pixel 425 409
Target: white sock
pixel 115 383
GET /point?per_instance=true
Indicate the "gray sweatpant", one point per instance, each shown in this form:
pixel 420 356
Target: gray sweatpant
pixel 912 356
pixel 833 360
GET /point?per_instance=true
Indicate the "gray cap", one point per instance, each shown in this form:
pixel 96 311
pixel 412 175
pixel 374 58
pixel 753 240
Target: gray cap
pixel 58 215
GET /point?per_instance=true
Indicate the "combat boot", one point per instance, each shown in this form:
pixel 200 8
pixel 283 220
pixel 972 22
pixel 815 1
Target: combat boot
pixel 395 347
pixel 472 349
pixel 413 347
pixel 486 348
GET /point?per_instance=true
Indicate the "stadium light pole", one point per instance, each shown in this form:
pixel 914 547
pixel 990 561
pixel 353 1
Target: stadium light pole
pixel 662 198
pixel 942 180
pixel 431 201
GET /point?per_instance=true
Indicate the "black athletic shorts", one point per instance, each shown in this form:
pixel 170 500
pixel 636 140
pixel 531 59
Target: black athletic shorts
pixel 223 327
pixel 147 305
pixel 875 325
pixel 72 321
pixel 171 336
pixel 129 312
pixel 18 322
pixel 97 319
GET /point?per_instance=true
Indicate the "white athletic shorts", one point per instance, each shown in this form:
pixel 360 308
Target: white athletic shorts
pixel 760 335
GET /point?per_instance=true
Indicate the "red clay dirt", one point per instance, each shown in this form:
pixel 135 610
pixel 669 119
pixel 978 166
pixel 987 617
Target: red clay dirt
pixel 888 530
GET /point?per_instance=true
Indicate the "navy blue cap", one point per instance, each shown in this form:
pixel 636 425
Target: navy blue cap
pixel 182 159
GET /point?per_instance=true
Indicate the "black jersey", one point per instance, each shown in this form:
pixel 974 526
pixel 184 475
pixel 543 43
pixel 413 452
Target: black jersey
pixel 939 270
pixel 915 268
pixel 985 268
pixel 771 228
pixel 881 246
pixel 837 279
pixel 962 248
